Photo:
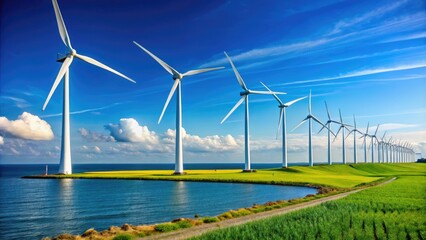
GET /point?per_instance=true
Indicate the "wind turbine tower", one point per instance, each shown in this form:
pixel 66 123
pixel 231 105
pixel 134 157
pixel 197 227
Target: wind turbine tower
pixel 177 78
pixel 283 119
pixel 65 165
pixel 245 98
pixel 309 118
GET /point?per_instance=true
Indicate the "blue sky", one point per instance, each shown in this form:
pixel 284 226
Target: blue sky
pixel 365 57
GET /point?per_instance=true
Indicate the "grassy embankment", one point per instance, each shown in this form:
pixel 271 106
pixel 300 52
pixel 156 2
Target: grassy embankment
pixel 393 211
pixel 337 178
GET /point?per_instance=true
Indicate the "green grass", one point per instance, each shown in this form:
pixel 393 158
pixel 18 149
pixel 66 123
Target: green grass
pixel 393 211
pixel 338 176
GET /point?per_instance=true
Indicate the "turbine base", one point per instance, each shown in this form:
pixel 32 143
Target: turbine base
pixel 249 170
pixel 179 173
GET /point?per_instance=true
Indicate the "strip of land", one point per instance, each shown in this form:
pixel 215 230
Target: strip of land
pixel 198 230
pixel 333 182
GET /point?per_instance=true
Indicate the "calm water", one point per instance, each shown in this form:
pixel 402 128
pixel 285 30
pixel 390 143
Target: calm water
pixel 34 208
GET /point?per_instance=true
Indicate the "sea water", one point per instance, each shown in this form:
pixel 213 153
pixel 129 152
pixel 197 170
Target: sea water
pixel 36 208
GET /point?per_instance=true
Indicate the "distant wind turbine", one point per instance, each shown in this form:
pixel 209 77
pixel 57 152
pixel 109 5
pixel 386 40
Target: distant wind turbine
pixel 309 119
pixel 65 166
pixel 177 77
pixel 342 126
pixel 282 118
pixel 354 130
pixel 372 143
pixel 364 143
pixel 381 148
pixel 245 98
pixel 328 124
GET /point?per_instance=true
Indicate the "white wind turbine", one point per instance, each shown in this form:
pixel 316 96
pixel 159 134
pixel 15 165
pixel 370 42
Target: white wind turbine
pixel 65 166
pixel 354 130
pixel 364 143
pixel 309 118
pixel 177 77
pixel 328 124
pixel 283 119
pixel 245 98
pixel 342 126
pixel 372 143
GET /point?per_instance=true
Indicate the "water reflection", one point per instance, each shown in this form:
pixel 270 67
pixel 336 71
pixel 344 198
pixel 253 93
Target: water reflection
pixel 180 193
pixel 66 199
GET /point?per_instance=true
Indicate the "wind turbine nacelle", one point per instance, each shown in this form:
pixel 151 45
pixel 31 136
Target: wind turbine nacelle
pixel 60 57
pixel 244 93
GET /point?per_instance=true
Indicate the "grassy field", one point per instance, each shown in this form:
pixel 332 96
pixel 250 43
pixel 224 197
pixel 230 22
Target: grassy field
pixel 393 211
pixel 338 176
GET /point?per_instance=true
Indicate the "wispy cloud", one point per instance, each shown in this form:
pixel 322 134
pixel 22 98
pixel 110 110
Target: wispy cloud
pixel 417 111
pixel 406 37
pixel 83 111
pixel 361 73
pixel 344 24
pixel 19 102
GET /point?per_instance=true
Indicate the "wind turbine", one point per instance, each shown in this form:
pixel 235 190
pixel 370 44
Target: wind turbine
pixel 354 130
pixel 177 77
pixel 283 119
pixel 364 143
pixel 342 126
pixel 65 166
pixel 309 118
pixel 380 148
pixel 372 143
pixel 244 98
pixel 328 124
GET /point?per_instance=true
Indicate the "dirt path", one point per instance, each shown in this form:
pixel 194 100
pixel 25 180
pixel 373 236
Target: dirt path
pixel 198 230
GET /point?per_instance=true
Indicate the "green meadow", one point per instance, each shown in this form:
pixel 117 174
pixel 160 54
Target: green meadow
pixel 337 176
pixel 393 211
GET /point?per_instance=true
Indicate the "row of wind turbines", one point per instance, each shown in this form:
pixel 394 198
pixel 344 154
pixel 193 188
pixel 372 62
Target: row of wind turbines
pixel 395 152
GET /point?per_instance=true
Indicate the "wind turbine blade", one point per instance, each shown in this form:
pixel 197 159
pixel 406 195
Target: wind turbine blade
pixel 288 104
pixel 168 68
pixel 384 135
pixel 328 113
pixel 235 107
pixel 101 65
pixel 368 125
pixel 273 94
pixel 354 122
pixel 337 134
pixel 265 92
pixel 172 91
pixel 62 71
pixel 321 129
pixel 310 107
pixel 298 125
pixel 376 129
pixel 279 121
pixel 193 72
pixel 363 142
pixel 61 25
pixel 237 74
pixel 349 133
pixel 319 122
pixel 341 119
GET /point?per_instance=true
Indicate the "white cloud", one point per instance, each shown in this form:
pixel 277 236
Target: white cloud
pixel 129 130
pixel 366 17
pixel 195 143
pixel 361 73
pixel 92 136
pixel 94 110
pixel 27 126
pixel 1 140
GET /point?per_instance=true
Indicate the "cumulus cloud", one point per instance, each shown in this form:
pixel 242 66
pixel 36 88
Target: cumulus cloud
pixel 27 126
pixel 195 143
pixel 1 140
pixel 129 130
pixel 92 136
